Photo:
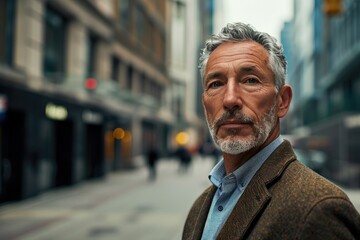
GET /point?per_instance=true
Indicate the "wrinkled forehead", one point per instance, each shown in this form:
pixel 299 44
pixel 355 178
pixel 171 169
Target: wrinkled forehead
pixel 237 52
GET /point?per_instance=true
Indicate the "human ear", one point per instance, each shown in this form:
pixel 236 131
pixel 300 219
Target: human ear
pixel 284 100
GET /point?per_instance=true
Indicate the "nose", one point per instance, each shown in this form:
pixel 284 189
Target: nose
pixel 232 97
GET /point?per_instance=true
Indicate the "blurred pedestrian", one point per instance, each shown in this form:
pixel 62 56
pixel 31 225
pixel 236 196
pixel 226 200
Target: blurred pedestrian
pixel 152 158
pixel 259 189
pixel 184 157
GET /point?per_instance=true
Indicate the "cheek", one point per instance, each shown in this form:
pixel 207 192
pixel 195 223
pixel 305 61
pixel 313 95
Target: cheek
pixel 211 108
pixel 259 106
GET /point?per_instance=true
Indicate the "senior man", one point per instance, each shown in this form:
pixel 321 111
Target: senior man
pixel 259 189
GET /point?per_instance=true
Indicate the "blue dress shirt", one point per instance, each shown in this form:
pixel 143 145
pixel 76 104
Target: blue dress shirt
pixel 230 187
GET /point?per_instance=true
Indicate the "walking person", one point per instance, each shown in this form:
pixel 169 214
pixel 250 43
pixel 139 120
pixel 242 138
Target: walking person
pixel 184 157
pixel 152 158
pixel 259 190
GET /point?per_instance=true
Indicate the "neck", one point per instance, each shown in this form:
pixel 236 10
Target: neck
pixel 233 162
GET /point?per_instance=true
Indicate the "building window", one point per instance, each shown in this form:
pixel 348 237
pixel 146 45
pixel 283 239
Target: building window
pixel 140 23
pixel 54 48
pixel 115 68
pixel 149 35
pixel 143 80
pixel 91 52
pixel 356 93
pixel 178 100
pixel 7 13
pixel 124 13
pixel 129 77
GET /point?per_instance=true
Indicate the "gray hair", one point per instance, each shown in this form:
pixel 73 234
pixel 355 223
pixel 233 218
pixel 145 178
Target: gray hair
pixel 236 32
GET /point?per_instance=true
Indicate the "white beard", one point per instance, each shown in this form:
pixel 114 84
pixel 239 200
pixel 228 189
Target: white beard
pixel 232 144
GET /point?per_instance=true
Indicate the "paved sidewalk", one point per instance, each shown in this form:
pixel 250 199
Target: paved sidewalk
pixel 123 206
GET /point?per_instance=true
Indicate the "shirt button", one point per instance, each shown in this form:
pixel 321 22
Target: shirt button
pixel 220 208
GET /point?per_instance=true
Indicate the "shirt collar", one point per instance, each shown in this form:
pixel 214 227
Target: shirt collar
pixel 245 172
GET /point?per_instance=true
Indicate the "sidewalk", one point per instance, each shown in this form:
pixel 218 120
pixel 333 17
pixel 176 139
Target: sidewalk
pixel 124 206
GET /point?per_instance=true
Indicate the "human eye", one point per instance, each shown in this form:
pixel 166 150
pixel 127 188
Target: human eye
pixel 215 84
pixel 214 87
pixel 251 80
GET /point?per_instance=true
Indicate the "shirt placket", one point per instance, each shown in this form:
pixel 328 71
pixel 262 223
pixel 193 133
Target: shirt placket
pixel 226 190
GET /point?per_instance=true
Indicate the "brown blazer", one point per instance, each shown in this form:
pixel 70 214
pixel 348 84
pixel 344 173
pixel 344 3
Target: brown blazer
pixel 284 200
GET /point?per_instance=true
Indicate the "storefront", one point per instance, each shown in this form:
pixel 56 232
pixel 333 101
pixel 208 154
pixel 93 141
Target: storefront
pixel 49 141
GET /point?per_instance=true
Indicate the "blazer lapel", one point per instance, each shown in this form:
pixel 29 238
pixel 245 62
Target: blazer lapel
pixel 201 216
pixel 253 200
pixel 256 195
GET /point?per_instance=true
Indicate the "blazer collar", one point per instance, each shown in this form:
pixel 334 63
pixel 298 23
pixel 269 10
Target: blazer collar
pixel 256 195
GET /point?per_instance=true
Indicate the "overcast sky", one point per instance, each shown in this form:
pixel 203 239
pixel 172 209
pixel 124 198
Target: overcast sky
pixel 265 15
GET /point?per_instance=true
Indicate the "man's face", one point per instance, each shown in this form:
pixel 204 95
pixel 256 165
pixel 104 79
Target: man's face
pixel 239 96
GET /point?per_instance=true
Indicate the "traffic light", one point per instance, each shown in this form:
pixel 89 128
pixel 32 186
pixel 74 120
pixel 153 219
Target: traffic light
pixel 332 7
pixel 90 84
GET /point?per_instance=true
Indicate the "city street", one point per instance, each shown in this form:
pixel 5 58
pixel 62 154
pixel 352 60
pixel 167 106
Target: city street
pixel 123 206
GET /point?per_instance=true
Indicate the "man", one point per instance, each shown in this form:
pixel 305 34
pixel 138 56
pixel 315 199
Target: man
pixel 152 157
pixel 260 190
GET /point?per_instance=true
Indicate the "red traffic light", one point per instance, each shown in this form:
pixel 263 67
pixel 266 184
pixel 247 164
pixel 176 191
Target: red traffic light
pixel 90 84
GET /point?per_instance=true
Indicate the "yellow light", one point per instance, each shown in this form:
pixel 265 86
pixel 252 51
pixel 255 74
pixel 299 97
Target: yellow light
pixel 119 133
pixel 127 137
pixel 332 7
pixel 182 138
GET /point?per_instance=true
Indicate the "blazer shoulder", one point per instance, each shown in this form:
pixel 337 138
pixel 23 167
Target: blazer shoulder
pixel 312 183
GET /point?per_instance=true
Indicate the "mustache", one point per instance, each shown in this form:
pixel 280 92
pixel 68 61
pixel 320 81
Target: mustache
pixel 238 115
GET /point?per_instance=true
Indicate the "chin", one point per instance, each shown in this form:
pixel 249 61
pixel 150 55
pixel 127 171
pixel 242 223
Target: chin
pixel 237 146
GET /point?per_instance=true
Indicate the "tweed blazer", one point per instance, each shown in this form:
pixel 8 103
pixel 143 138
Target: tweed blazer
pixel 284 200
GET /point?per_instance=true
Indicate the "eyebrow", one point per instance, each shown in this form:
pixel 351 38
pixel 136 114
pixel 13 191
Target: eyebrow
pixel 247 69
pixel 211 76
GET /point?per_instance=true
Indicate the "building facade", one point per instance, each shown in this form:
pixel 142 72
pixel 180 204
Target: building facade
pixel 84 89
pixel 325 78
pixel 190 22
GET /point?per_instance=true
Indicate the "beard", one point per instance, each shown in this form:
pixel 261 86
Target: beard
pixel 233 144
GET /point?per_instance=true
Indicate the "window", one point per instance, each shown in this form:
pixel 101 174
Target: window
pixel 356 93
pixel 149 38
pixel 143 80
pixel 140 23
pixel 115 67
pixel 124 13
pixel 54 48
pixel 7 13
pixel 91 52
pixel 129 77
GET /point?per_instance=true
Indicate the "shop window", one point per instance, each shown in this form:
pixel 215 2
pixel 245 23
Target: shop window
pixel 7 13
pixel 54 47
